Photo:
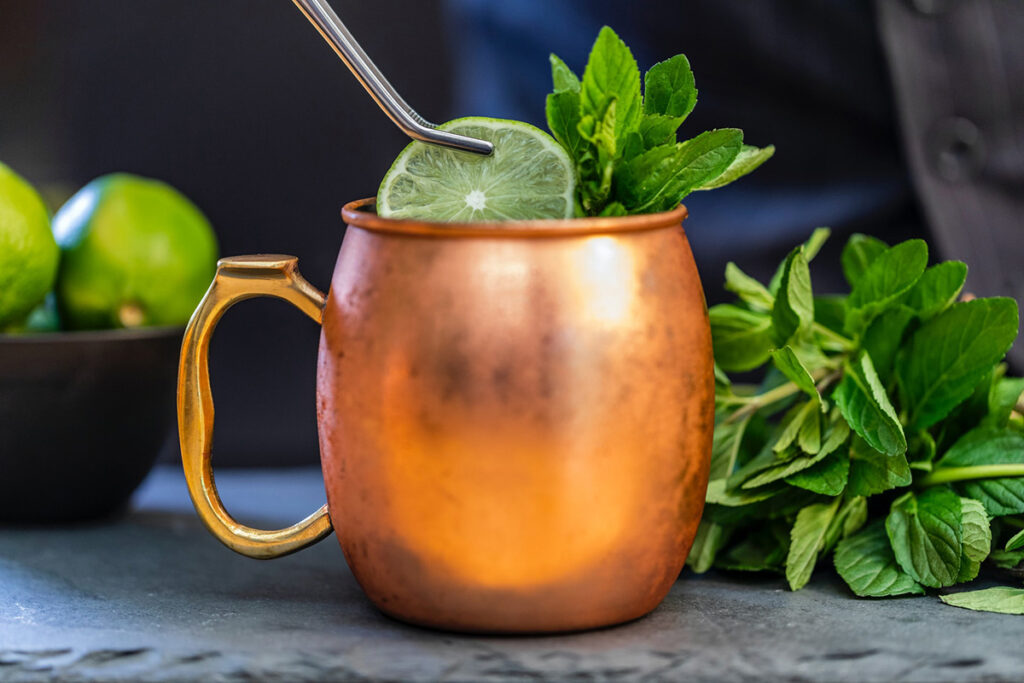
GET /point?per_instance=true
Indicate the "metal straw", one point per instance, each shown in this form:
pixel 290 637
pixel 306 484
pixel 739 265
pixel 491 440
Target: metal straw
pixel 383 93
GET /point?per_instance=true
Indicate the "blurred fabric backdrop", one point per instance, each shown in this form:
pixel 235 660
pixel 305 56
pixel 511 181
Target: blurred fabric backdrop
pixel 240 105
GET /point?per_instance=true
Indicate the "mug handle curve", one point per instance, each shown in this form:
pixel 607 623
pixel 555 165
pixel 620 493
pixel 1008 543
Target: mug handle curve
pixel 238 278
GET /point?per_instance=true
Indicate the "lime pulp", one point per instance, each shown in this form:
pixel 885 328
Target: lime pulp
pixel 528 176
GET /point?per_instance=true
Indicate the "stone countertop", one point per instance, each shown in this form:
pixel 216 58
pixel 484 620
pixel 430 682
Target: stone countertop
pixel 153 597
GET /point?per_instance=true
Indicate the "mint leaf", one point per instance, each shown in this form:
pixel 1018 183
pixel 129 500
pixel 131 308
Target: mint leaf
pixel 890 275
pixel 623 144
pixel 725 446
pixel 868 566
pixel 922 447
pixel 937 289
pixel 949 354
pixel 748 160
pixel 1006 559
pixel 613 209
pixel 719 494
pixel 809 439
pixel 811 355
pixel 658 179
pixel 779 472
pixel 1016 542
pixel 990 446
pixel 794 302
pixel 977 539
pixel 793 424
pixel 742 339
pixel 747 288
pixel 596 172
pixel 710 538
pixel 861 398
pixel 764 459
pixel 830 311
pixel 600 131
pixel 1002 399
pixel 632 147
pixel 848 521
pixel 884 336
pixel 926 532
pixel 789 468
pixel 1001 599
pixel 807 538
pixel 669 88
pixel 872 472
pixel 839 431
pixel 810 249
pixel 827 477
pixel 721 379
pixel 655 130
pixel 815 242
pixel 611 74
pixel 562 76
pixel 856 515
pixel 563 114
pixel 763 549
pixel 786 361
pixel 970 413
pixel 858 254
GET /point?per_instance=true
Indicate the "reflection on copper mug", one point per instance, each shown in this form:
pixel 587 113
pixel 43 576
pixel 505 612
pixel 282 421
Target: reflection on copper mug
pixel 515 418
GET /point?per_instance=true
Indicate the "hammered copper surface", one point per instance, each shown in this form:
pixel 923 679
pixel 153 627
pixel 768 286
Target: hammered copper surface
pixel 515 419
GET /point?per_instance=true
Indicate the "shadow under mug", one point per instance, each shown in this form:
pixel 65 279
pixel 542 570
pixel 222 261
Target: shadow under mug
pixel 515 419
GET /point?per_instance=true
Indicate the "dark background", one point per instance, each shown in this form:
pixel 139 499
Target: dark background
pixel 241 106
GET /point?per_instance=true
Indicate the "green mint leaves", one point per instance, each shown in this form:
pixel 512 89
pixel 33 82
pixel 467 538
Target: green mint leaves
pixel 926 532
pixel 1000 599
pixel 623 143
pixel 893 395
pixel 947 356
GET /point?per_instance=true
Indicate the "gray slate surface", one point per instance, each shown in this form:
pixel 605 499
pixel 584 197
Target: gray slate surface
pixel 153 596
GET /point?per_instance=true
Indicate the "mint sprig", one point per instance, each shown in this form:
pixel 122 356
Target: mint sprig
pixel 623 144
pixel 884 433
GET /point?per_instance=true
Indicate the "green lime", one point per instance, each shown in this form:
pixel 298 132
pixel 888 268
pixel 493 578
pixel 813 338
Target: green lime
pixel 527 176
pixel 28 254
pixel 134 252
pixel 42 318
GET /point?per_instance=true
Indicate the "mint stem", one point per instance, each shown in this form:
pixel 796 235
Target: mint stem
pixel 945 475
pixel 755 403
pixel 839 340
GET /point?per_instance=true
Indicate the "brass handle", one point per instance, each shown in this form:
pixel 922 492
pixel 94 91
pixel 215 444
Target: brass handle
pixel 238 278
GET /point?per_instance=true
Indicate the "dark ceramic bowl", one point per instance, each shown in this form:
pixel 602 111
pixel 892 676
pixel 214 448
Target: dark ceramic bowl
pixel 82 418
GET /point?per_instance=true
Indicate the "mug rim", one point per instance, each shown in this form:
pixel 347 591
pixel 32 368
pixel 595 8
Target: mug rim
pixel 360 214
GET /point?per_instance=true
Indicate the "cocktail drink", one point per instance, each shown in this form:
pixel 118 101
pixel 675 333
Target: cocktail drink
pixel 515 419
pixel 515 387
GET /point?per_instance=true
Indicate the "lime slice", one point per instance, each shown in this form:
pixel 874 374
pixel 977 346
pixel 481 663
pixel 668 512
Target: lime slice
pixel 528 176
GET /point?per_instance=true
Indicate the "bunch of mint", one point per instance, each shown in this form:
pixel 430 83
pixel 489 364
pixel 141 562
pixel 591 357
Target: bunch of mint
pixel 884 432
pixel 623 145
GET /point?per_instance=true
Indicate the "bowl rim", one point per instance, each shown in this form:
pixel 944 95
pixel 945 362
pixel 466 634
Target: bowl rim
pixel 361 213
pixel 74 336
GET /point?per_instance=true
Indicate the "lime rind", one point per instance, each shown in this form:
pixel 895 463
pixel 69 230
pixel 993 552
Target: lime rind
pixel 528 176
pixel 28 252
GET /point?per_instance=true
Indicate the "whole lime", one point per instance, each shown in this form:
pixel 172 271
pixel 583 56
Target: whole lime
pixel 134 252
pixel 28 254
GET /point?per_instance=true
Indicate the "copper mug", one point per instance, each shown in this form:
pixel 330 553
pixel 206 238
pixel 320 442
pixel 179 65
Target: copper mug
pixel 515 418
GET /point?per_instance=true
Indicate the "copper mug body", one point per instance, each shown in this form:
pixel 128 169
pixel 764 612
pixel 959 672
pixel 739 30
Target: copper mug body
pixel 515 419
